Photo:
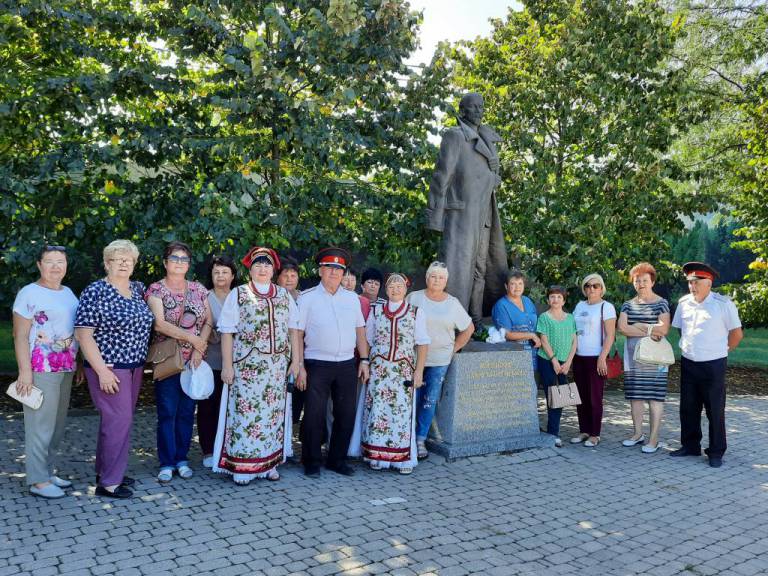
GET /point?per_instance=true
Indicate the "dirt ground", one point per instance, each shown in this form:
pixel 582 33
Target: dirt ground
pixel 741 380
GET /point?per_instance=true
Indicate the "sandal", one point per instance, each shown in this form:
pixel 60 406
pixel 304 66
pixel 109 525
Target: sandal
pixel 579 439
pixel 592 443
pixel 374 465
pixel 405 471
pixel 165 475
pixel 185 472
pixel 273 475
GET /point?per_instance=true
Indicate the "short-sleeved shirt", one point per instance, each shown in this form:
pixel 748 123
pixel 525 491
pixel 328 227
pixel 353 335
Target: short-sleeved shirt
pixel 559 333
pixel 191 319
pixel 589 328
pixel 121 326
pixel 329 322
pixel 52 345
pixel 704 326
pixel 444 319
pixel 507 315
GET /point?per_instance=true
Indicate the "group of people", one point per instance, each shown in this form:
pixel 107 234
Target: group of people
pixel 380 362
pixel 582 342
pixel 365 371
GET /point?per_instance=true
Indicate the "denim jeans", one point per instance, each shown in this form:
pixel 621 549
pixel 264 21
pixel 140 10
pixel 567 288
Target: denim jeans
pixel 427 397
pixel 548 377
pixel 175 419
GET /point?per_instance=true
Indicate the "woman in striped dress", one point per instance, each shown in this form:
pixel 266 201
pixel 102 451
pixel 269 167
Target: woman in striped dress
pixel 644 382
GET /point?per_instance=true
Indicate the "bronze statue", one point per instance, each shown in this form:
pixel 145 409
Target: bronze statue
pixel 462 205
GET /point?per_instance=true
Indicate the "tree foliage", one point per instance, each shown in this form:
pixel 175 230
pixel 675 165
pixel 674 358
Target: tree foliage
pixel 588 105
pixel 292 123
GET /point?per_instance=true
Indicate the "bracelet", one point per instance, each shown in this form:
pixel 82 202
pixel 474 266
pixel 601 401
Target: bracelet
pixel 364 359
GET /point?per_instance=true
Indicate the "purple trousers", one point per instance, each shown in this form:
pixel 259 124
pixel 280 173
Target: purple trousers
pixel 116 411
pixel 590 385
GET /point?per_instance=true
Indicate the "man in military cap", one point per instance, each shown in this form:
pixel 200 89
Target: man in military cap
pixel 330 325
pixel 709 328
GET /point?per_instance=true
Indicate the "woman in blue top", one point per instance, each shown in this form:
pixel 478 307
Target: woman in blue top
pixel 516 314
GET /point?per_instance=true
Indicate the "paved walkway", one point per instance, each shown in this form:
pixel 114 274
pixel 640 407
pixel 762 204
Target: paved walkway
pixel 575 510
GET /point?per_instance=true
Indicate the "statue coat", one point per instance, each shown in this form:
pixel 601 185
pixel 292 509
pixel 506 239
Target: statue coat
pixel 462 205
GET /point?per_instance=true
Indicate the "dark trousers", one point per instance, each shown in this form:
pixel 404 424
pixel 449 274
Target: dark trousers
pixel 549 378
pixel 175 420
pixel 208 415
pixel 590 385
pixel 339 380
pixel 702 384
pixel 297 404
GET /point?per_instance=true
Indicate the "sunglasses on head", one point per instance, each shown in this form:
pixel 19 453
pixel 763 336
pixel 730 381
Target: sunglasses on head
pixel 52 248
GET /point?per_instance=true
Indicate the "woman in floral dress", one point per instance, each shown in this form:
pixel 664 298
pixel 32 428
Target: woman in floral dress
pixel 397 333
pixel 256 344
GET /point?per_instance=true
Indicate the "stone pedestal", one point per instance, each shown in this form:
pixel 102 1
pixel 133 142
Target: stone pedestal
pixel 488 403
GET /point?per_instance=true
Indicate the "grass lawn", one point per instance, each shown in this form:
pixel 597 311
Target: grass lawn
pixel 753 350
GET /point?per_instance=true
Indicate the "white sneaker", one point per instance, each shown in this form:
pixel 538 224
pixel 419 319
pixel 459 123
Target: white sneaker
pixel 60 482
pixel 51 491
pixel 558 443
pixel 208 461
pixel 631 442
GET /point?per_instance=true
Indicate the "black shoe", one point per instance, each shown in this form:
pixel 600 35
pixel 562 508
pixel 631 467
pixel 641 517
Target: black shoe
pixel 715 462
pixel 685 452
pixel 312 471
pixel 127 480
pixel 343 469
pixel 120 492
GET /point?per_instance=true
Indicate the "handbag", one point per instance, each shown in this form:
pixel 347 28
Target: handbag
pixel 33 400
pixel 649 351
pixel 165 356
pixel 614 363
pixel 561 395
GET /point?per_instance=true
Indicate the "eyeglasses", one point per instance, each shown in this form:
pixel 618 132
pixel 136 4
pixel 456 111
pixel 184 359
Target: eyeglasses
pixel 593 286
pixel 122 260
pixel 179 259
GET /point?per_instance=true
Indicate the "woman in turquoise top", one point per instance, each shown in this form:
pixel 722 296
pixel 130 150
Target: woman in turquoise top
pixel 516 314
pixel 557 330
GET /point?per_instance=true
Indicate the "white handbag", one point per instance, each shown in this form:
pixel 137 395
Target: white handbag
pixel 649 351
pixel 34 400
pixel 197 383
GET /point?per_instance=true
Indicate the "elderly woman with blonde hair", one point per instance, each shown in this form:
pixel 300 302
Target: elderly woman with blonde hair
pixel 449 328
pixel 113 325
pixel 595 332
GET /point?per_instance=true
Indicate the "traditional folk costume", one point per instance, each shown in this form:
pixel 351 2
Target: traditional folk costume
pixel 254 433
pixel 388 436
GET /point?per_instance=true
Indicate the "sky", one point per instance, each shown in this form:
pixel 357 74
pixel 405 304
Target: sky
pixel 454 20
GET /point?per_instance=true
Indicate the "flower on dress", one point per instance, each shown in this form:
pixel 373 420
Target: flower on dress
pixel 41 318
pixel 254 432
pixel 38 360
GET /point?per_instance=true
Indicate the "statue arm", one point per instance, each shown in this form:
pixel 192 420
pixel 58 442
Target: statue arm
pixel 450 149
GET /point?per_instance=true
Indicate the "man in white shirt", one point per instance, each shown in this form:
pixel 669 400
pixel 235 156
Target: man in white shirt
pixel 331 325
pixel 709 328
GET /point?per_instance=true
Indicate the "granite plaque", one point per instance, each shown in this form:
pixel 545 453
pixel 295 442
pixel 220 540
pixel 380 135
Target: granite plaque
pixel 488 403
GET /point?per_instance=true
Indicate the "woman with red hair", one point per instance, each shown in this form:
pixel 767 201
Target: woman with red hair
pixel 647 314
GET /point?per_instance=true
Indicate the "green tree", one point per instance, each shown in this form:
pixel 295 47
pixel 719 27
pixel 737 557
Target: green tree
pixel 222 123
pixel 588 104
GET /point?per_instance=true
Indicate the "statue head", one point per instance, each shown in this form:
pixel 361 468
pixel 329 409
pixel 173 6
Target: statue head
pixel 471 108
